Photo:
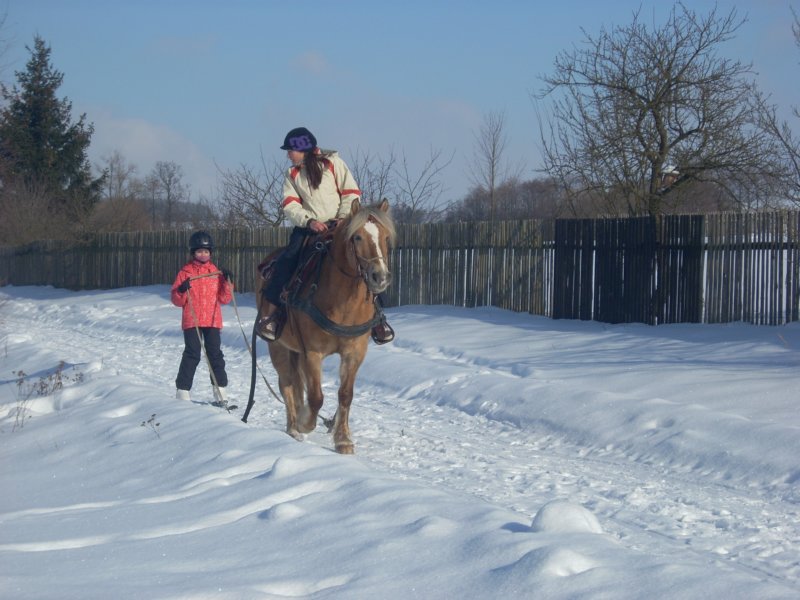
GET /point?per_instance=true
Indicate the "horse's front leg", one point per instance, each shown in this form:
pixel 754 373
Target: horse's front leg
pixel 290 385
pixel 341 426
pixel 312 373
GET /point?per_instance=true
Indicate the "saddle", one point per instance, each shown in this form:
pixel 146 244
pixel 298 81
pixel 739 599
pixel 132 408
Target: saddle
pixel 309 262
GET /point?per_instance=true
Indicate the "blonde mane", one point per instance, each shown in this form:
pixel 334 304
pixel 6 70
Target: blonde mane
pixel 365 213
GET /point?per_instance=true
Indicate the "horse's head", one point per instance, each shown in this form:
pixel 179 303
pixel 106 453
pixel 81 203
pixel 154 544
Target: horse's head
pixel 371 232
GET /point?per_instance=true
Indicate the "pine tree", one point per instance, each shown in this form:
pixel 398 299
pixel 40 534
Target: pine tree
pixel 40 148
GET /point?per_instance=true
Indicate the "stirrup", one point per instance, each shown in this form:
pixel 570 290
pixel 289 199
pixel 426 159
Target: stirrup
pixel 269 328
pixel 382 333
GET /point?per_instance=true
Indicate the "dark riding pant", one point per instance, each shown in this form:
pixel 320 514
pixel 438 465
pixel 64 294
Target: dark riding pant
pixel 192 353
pixel 285 265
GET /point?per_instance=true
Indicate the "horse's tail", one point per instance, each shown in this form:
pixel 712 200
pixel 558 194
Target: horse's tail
pixel 252 399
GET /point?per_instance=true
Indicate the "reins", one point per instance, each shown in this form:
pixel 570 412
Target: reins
pixel 250 349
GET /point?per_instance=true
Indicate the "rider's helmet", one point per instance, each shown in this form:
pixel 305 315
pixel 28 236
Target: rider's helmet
pixel 299 139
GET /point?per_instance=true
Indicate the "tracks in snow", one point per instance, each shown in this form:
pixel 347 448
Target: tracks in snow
pixel 660 511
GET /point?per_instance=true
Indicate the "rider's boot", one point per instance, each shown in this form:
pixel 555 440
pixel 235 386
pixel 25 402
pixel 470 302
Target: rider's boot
pixel 270 325
pixel 382 333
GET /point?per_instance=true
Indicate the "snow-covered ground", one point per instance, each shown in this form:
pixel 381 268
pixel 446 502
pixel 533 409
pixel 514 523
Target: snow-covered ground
pixel 499 455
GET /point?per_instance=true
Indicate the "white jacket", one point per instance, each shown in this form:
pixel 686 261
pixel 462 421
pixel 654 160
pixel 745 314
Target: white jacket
pixel 333 198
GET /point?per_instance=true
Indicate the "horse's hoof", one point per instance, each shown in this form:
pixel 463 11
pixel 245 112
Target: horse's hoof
pixel 303 428
pixel 296 434
pixel 345 448
pixel 306 423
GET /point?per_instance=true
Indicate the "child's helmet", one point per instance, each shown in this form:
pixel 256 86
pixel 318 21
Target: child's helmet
pixel 200 239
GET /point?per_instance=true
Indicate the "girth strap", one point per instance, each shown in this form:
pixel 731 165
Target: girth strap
pixel 308 307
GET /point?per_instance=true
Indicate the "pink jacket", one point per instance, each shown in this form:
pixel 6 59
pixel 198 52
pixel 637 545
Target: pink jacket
pixel 207 294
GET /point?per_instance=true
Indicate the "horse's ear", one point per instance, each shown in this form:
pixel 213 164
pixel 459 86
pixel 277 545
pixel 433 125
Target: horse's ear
pixel 384 205
pixel 355 206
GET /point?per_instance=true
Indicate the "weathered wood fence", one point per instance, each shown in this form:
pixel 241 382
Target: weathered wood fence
pixel 670 269
pixel 679 269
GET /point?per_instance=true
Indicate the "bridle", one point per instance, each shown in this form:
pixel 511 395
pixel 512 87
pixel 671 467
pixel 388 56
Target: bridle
pixel 361 262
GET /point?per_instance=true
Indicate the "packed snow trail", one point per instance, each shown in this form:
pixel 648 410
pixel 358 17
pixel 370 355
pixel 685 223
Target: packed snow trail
pixel 657 511
pixel 403 425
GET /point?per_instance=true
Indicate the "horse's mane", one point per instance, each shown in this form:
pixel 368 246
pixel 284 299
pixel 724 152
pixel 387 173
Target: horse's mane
pixel 365 213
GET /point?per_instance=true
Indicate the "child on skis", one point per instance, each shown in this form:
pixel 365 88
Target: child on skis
pixel 200 288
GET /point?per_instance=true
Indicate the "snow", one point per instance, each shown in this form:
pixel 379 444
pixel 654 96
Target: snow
pixel 497 455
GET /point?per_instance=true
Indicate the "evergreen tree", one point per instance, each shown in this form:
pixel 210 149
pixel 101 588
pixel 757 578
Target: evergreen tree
pixel 39 145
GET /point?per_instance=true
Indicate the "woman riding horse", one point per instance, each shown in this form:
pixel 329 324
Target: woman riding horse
pixel 318 189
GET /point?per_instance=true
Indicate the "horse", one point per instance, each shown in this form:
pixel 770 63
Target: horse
pixel 332 312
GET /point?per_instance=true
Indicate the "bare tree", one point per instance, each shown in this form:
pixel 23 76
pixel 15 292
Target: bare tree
pixel 119 175
pixel 490 170
pixel 373 175
pixel 149 190
pixel 168 177
pixel 419 194
pixel 633 101
pixel 789 141
pixel 253 197
pixel 119 209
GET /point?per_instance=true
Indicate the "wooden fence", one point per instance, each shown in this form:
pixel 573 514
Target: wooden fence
pixel 670 269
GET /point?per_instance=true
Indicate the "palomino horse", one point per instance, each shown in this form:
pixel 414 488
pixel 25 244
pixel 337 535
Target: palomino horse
pixel 333 313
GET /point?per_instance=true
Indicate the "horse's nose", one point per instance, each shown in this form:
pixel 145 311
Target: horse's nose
pixel 379 279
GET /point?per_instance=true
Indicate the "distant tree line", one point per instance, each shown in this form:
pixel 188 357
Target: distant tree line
pixel 637 120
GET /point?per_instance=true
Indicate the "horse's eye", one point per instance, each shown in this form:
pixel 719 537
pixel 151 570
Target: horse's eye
pixel 357 238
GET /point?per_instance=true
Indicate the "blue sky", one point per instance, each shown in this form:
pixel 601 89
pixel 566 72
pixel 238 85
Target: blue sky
pixel 207 84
